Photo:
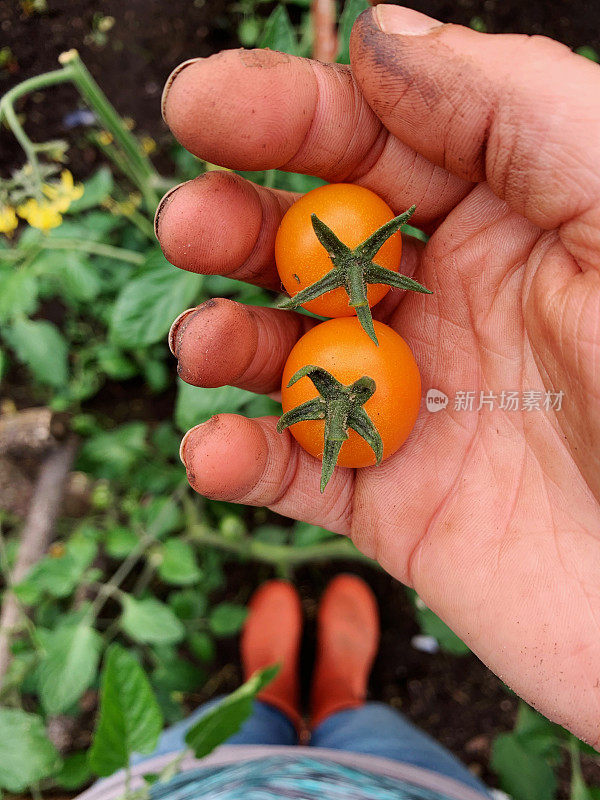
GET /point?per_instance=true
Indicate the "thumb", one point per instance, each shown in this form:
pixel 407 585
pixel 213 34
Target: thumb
pixel 520 112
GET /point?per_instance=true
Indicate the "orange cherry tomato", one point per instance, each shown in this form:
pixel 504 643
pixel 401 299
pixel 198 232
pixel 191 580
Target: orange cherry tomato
pixel 353 213
pixel 340 347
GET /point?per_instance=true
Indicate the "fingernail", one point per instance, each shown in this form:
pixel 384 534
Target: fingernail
pixel 186 439
pixel 162 205
pixel 169 83
pixel 404 21
pixel 176 329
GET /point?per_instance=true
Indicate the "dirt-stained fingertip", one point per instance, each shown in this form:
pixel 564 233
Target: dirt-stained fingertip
pixel 169 82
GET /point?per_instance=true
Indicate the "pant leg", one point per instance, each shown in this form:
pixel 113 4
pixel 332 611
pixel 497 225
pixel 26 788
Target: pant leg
pixel 266 725
pixel 377 729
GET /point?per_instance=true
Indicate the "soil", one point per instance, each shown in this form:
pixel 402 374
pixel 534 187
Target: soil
pixel 458 700
pixel 150 37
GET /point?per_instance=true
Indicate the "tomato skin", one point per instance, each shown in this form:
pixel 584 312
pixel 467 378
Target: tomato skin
pixel 353 213
pixel 340 347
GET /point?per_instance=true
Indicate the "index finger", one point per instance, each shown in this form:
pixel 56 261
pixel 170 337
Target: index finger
pixel 260 109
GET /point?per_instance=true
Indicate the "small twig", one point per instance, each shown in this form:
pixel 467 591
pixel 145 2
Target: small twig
pixel 36 535
pixel 325 45
pixel 32 430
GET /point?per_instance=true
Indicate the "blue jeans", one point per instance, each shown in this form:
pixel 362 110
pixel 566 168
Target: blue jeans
pixel 373 729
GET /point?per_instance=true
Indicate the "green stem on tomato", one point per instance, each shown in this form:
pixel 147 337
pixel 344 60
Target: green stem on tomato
pixel 341 407
pixel 353 269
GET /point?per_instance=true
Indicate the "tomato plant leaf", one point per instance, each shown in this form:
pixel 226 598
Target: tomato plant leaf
pixel 523 773
pixel 40 345
pixel 179 565
pixel 112 454
pixel 279 33
pixel 227 619
pixel 74 773
pixel 95 190
pixel 120 542
pixel 226 718
pixel 69 666
pixel 26 753
pixel 18 294
pixel 148 304
pixel 195 405
pixel 352 8
pixel 150 621
pixel 130 720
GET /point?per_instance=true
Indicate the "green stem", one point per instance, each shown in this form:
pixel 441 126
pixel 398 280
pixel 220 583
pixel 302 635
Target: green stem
pixel 110 119
pixel 7 111
pixel 139 167
pixel 278 555
pixel 81 245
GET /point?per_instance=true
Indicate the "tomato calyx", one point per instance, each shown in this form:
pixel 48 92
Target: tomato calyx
pixel 341 407
pixel 354 268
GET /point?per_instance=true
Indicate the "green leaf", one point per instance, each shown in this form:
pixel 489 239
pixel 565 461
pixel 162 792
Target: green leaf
pixel 130 720
pixel 120 542
pixel 588 52
pixel 305 534
pixel 227 619
pixel 95 190
pixel 278 33
pixel 352 8
pixel 114 363
pixel 78 277
pixel 202 646
pixel 57 577
pixel 40 345
pixel 539 734
pixel 179 565
pixel 69 666
pixel 195 405
pixel 177 675
pixel 148 304
pixel 74 773
pixel 166 440
pixel 26 754
pixel 112 454
pixel 226 718
pixel 523 773
pixel 189 604
pixel 579 788
pixel 3 363
pixel 18 294
pixel 161 516
pixel 150 621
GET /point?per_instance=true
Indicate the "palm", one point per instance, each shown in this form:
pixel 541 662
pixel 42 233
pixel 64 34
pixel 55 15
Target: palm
pixel 487 513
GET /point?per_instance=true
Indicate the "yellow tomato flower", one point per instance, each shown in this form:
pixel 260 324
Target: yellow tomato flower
pixel 62 194
pixel 148 144
pixel 8 220
pixel 43 214
pixel 105 138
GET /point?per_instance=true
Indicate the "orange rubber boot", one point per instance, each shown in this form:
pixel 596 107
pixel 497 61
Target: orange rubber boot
pixel 272 636
pixel 347 643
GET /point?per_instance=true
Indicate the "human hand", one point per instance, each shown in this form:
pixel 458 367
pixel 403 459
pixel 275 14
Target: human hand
pixel 493 516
